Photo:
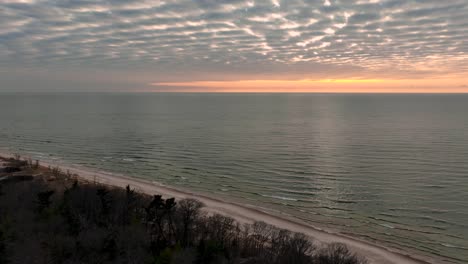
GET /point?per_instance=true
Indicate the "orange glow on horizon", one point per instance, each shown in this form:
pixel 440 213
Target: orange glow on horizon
pixel 320 86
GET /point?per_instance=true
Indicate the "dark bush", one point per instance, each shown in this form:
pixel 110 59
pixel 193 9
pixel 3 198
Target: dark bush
pixel 3 248
pixel 11 169
pixel 43 200
pixel 337 253
pixel 15 178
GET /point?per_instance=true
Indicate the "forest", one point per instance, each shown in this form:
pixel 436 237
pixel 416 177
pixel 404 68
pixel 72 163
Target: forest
pixel 51 216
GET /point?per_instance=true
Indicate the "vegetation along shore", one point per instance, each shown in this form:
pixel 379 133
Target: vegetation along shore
pixel 52 215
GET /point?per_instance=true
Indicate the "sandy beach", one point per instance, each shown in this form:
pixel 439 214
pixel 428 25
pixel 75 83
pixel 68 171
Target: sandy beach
pixel 248 214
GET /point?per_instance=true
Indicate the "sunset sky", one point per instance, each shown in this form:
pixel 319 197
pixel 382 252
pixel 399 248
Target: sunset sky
pixel 234 45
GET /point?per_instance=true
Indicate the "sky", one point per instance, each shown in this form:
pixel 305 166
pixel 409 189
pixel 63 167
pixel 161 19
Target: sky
pixel 234 45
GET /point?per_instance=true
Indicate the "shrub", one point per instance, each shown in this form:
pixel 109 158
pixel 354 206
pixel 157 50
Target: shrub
pixel 43 200
pixel 56 171
pixel 338 253
pixel 3 248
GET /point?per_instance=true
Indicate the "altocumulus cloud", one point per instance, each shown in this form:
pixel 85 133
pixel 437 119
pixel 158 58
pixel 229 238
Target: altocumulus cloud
pixel 209 39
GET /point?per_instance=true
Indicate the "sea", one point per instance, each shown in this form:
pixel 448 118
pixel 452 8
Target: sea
pixel 388 168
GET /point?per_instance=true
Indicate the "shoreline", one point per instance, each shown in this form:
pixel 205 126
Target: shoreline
pixel 375 253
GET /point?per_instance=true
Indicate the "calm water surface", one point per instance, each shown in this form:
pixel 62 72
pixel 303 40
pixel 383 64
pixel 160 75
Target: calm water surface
pixel 392 168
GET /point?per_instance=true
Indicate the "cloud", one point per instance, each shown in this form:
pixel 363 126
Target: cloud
pixel 240 37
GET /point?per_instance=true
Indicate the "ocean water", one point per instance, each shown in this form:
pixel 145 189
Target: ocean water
pixel 386 168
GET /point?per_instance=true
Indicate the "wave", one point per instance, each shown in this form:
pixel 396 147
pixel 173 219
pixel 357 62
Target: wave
pixel 279 197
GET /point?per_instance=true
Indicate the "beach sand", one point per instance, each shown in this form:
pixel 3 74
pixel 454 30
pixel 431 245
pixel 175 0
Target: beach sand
pixel 377 254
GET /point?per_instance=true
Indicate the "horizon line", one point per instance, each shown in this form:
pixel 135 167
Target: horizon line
pixel 231 92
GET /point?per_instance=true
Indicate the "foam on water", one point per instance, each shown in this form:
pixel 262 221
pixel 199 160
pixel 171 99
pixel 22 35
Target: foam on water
pixel 279 197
